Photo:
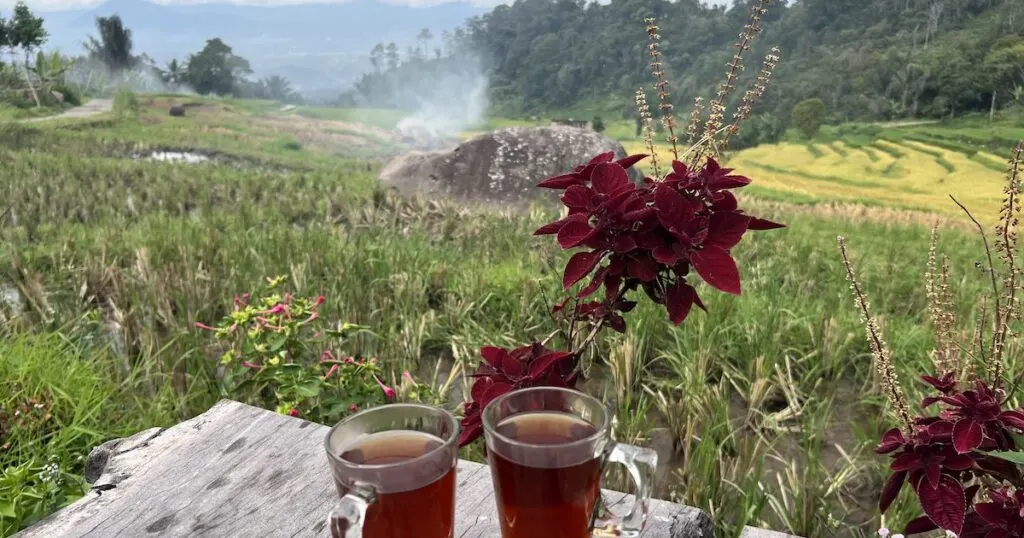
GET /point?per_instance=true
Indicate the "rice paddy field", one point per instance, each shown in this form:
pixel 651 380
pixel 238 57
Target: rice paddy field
pixel 764 410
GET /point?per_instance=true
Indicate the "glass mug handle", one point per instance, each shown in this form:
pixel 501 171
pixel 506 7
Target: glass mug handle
pixel 641 463
pixel 346 520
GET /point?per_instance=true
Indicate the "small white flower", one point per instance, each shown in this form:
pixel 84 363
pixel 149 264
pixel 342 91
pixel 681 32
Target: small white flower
pixel 950 534
pixel 897 536
pixel 883 532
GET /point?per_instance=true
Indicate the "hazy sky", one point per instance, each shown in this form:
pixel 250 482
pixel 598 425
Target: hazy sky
pixel 54 5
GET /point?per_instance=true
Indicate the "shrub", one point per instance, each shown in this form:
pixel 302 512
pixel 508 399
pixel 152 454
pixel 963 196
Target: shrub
pixel 70 93
pixel 760 129
pixel 597 124
pixel 280 354
pixel 126 104
pixel 809 116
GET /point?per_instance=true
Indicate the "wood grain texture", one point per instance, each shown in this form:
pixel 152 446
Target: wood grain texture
pixel 240 471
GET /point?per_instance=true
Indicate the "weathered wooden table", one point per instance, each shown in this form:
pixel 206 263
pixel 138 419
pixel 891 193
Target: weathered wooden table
pixel 240 471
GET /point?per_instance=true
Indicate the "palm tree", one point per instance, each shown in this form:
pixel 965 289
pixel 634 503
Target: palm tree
pixel 278 88
pixel 114 47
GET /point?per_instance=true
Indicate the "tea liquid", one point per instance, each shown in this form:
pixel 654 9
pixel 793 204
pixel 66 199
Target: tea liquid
pixel 405 506
pixel 545 493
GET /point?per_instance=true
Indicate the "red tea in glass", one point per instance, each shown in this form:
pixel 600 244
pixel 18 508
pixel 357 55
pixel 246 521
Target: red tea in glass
pixel 546 447
pixel 394 468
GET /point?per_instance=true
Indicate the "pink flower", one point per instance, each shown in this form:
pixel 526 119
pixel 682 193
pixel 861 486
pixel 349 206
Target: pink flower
pixel 312 316
pixel 330 372
pixel 389 392
pixel 205 327
pixel 327 356
pixel 280 308
pixel 406 376
pixel 348 360
pixel 254 366
pixel 319 301
pixel 353 408
pixel 294 412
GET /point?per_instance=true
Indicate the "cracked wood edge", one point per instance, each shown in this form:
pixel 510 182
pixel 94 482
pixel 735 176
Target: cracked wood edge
pixel 237 470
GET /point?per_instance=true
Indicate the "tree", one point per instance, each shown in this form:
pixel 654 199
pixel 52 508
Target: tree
pixel 809 116
pixel 114 47
pixel 377 57
pixel 175 73
pixel 25 30
pixel 391 55
pixel 216 69
pixel 278 88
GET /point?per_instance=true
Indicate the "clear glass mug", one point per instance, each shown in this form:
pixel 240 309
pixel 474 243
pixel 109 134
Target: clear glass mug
pixel 546 447
pixel 394 468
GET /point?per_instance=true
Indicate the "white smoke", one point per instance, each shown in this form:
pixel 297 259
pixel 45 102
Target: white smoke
pixel 455 102
pixel 95 78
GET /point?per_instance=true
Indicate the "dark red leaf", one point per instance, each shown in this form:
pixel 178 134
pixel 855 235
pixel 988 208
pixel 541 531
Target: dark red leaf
pixel 959 462
pixel 624 244
pixel 762 224
pixel 726 229
pixel 673 209
pixel 616 322
pixel 512 367
pixel 543 363
pixel 602 158
pixel 493 391
pixel 631 160
pixel 967 435
pixel 679 300
pixel 470 433
pixel 642 268
pixel 729 182
pixel 698 302
pixel 552 228
pixel 493 355
pixel 891 440
pixel 561 182
pixel 575 231
pixel 945 504
pixel 579 266
pixel 594 284
pixel 609 178
pixel 577 197
pixel 905 462
pixel 1013 419
pixel 929 401
pixel 717 268
pixel 480 388
pixel 992 513
pixel 919 525
pixel 891 489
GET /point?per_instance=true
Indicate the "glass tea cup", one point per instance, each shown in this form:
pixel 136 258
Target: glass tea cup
pixel 394 467
pixel 546 447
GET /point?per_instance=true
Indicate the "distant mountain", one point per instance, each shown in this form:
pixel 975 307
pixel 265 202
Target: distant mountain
pixel 319 47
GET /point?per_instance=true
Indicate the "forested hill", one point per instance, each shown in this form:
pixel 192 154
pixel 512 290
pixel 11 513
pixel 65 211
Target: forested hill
pixel 866 59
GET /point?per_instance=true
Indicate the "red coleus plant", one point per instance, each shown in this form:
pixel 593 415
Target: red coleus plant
pixel 944 453
pixel 504 371
pixel 649 235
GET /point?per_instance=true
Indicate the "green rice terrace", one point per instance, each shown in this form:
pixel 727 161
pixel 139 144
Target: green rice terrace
pixel 769 404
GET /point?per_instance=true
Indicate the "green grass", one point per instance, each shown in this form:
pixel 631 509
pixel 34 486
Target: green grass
pixel 377 117
pixel 159 246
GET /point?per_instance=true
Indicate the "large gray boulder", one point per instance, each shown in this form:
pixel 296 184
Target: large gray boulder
pixel 503 166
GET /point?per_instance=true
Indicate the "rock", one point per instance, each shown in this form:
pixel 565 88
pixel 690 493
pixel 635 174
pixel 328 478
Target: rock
pixel 503 166
pixel 59 97
pixel 178 111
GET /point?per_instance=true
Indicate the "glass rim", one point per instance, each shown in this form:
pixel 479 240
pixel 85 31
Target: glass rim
pixel 445 444
pixel 490 429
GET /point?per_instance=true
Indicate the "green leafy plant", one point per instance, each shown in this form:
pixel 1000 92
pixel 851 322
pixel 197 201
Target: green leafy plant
pixel 809 116
pixel 280 354
pixel 33 489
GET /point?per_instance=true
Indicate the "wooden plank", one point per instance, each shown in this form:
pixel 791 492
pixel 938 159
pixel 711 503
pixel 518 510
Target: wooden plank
pixel 237 470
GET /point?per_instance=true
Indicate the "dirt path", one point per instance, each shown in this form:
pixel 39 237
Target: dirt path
pixel 92 108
